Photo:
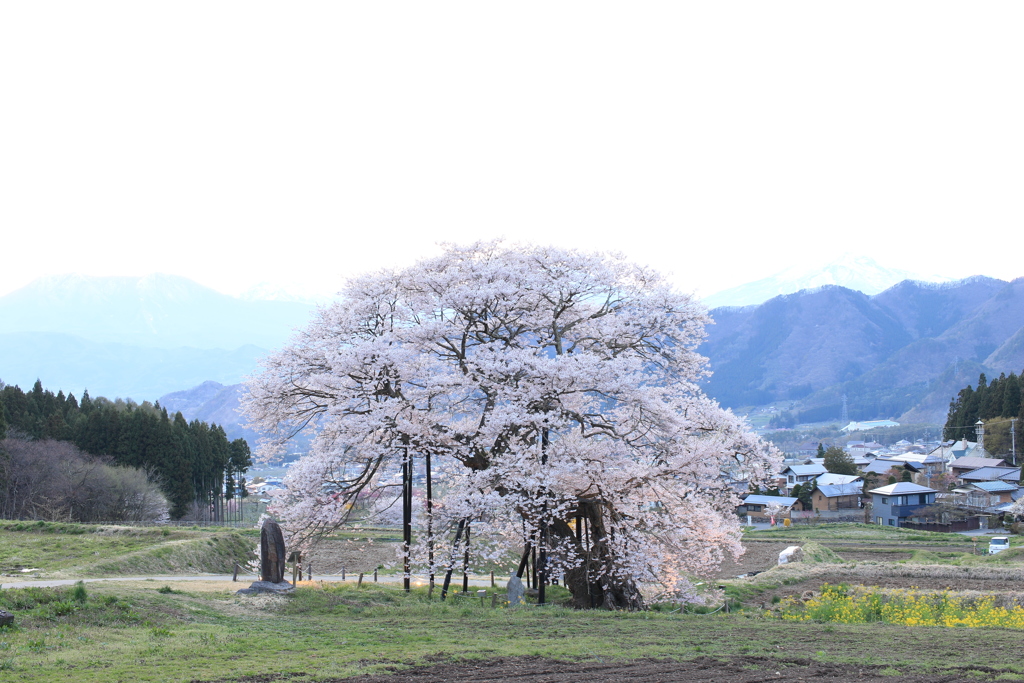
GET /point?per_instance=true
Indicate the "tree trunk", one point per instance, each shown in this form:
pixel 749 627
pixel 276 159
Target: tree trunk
pixel 592 584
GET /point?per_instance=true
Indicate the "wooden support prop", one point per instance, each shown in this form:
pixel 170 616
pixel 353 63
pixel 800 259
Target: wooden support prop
pixel 295 573
pixel 494 600
pixel 526 558
pixel 533 562
pixel 358 585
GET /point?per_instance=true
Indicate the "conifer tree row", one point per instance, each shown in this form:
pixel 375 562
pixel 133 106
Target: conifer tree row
pixel 194 462
pixel 994 403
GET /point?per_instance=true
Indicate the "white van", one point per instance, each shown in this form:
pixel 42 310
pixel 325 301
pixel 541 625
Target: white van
pixel 998 544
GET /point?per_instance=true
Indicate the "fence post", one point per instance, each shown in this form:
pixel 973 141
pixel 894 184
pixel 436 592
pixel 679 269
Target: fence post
pixel 360 583
pixel 234 577
pixel 342 573
pixel 375 576
pixel 492 578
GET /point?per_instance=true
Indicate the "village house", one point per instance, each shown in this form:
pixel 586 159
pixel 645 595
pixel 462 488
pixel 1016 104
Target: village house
pixel 837 497
pixel 984 494
pixel 755 507
pixel 830 479
pixel 963 465
pixel 801 474
pixel 928 463
pixel 1009 474
pixel 897 503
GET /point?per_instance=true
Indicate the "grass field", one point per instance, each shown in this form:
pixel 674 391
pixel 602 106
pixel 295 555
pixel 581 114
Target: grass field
pixel 153 632
pixel 202 631
pixel 83 551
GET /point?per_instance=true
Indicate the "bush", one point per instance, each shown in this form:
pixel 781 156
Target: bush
pixel 55 481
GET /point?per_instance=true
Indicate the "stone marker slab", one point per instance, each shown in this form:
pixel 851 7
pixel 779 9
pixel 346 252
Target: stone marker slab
pixel 516 591
pixel 6 618
pixel 272 552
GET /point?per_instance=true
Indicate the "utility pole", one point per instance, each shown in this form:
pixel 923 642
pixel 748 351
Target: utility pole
pixel 1013 439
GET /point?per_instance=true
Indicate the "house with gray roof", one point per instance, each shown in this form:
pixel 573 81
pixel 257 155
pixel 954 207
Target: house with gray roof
pixel 897 503
pixel 830 479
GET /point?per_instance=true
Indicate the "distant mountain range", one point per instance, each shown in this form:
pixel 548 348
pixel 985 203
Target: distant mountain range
pixel 160 311
pixel 860 273
pixel 901 353
pixel 138 337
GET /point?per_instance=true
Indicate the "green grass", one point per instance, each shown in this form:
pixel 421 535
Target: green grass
pixel 79 550
pixel 121 633
pixel 856 532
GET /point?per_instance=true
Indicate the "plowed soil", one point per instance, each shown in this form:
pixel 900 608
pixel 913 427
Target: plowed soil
pixel 703 670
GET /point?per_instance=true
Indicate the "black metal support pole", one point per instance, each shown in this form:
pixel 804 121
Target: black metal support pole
pixel 451 565
pixel 406 514
pixel 465 563
pixel 430 521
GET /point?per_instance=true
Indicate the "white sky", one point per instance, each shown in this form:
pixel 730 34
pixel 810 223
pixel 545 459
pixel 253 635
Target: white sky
pixel 297 143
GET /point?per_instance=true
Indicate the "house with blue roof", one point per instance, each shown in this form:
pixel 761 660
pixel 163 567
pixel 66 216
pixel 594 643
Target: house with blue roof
pixel 1009 474
pixel 897 503
pixel 847 496
pixel 756 506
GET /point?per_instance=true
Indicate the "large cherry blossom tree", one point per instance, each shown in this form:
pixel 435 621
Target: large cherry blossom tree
pixel 558 389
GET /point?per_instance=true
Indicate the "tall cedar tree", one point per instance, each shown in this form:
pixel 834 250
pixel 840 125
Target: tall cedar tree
pixel 194 463
pixel 838 461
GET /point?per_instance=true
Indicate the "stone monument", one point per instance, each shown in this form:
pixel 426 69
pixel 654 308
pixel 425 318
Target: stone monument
pixel 272 553
pixel 272 562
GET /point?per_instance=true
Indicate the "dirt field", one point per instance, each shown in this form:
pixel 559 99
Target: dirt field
pixel 330 556
pixel 704 670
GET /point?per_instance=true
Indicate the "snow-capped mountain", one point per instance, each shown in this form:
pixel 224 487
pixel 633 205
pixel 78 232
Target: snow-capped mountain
pixel 859 273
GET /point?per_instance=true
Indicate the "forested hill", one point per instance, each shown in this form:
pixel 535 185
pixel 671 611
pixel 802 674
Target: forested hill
pixel 997 405
pixel 192 461
pixel 901 353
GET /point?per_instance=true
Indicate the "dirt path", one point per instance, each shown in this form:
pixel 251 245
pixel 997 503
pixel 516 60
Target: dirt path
pixel 704 670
